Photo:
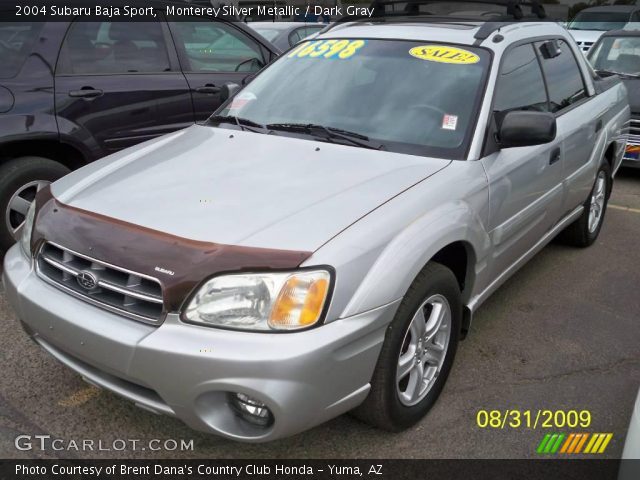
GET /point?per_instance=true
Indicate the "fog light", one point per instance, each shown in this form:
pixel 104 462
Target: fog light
pixel 251 410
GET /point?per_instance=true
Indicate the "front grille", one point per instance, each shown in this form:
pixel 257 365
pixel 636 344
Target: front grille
pixel 113 288
pixel 585 46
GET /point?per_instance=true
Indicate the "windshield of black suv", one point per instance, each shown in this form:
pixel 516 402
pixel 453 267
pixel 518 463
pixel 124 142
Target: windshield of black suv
pixel 412 97
pixel 16 41
pixel 617 55
pixel 603 21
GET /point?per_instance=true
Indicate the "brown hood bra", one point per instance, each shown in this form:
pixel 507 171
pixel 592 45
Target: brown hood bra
pixel 141 249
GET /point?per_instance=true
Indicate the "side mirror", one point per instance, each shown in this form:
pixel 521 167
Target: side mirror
pixel 228 90
pixel 521 128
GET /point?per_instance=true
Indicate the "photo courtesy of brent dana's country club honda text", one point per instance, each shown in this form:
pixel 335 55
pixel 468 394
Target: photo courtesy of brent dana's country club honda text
pixel 311 250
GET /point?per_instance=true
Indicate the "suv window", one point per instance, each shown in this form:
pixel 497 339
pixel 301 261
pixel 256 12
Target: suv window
pixel 210 47
pixel 16 41
pixel 561 70
pixel 520 84
pixel 115 47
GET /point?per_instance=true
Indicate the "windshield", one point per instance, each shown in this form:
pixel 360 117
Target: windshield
pixel 16 41
pixel 411 97
pixel 617 55
pixel 603 21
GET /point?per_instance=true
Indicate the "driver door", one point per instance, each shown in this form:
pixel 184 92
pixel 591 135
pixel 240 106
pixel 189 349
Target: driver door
pixel 211 54
pixel 525 183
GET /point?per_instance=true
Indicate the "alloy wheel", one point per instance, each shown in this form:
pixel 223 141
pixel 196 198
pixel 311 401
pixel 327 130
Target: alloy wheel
pixel 596 208
pixel 423 350
pixel 19 204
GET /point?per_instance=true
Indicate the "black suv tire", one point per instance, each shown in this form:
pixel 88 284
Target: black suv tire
pixel 15 175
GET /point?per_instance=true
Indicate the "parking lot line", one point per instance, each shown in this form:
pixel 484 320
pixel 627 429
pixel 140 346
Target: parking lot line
pixel 80 397
pixel 625 209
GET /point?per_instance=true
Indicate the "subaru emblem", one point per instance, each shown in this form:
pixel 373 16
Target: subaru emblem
pixel 87 280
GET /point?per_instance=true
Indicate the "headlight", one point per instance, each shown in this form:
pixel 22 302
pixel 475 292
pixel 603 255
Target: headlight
pixel 261 301
pixel 27 229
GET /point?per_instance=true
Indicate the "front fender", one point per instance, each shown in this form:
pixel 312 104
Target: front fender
pixel 378 257
pixel 411 249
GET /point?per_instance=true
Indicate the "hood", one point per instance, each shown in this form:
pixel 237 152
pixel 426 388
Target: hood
pixel 586 35
pixel 241 188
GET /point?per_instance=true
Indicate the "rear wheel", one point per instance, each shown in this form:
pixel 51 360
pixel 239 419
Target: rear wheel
pixel 417 353
pixel 20 180
pixel 584 231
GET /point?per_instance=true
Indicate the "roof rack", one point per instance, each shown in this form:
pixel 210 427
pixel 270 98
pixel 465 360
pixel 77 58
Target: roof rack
pixel 410 12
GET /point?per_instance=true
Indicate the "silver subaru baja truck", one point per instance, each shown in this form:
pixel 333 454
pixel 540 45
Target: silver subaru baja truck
pixel 321 244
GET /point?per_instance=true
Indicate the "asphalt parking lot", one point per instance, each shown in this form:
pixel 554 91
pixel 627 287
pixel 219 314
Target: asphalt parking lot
pixel 562 334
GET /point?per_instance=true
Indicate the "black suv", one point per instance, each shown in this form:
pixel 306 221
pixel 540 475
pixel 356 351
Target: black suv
pixel 74 91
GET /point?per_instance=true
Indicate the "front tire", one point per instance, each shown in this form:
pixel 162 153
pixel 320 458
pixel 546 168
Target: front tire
pixel 20 180
pixel 418 352
pixel 584 231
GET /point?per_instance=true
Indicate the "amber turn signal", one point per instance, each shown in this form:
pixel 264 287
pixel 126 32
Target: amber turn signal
pixel 301 301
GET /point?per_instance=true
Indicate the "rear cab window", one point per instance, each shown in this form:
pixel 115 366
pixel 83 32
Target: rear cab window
pixel 17 40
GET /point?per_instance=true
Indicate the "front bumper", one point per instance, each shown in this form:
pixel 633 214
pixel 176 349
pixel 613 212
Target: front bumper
pixel 305 378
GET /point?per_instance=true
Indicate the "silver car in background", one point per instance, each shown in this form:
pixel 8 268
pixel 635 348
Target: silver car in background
pixel 323 242
pixel 285 35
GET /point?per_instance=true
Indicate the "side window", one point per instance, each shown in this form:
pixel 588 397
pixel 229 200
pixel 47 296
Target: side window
pixel 561 70
pixel 520 84
pixel 114 47
pixel 210 47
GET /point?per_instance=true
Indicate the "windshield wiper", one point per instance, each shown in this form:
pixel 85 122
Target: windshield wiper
pixel 243 123
pixel 328 134
pixel 612 72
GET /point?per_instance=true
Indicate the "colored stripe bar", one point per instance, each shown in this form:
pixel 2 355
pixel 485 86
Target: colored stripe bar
pixel 596 445
pixel 550 443
pixel 594 437
pixel 605 442
pixel 543 443
pixel 581 443
pixel 576 440
pixel 556 446
pixel 567 443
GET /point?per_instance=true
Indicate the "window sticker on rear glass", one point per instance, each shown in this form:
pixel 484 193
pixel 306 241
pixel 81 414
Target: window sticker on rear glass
pixel 341 49
pixel 444 54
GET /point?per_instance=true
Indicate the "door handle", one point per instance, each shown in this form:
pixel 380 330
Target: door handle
pixel 555 156
pixel 86 92
pixel 208 88
pixel 598 125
